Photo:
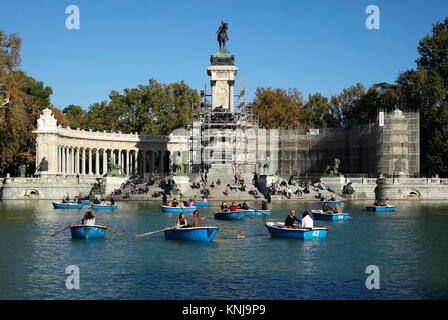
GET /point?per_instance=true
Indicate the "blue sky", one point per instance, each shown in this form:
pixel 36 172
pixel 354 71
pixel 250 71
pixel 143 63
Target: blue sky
pixel 315 46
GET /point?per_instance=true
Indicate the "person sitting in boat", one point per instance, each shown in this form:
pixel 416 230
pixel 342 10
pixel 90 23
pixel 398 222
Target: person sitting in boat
pixel 64 200
pixel 196 220
pixel 338 208
pixel 263 205
pixel 326 207
pixel 174 203
pixel 245 206
pixel 332 198
pixel 190 203
pixel 103 203
pixel 181 221
pixel 112 201
pixel 290 219
pixel 376 203
pixel 169 204
pixel 387 202
pixel 204 200
pixel 79 200
pixel 307 221
pixel 224 206
pixel 96 201
pixel 232 207
pixel 89 219
pixel 194 199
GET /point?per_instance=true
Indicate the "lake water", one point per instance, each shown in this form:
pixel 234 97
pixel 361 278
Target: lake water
pixel 409 246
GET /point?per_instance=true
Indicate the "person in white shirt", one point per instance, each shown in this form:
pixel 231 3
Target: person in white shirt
pixel 89 219
pixel 307 221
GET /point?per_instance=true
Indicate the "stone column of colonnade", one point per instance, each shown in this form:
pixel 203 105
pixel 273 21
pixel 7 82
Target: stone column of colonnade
pixel 87 161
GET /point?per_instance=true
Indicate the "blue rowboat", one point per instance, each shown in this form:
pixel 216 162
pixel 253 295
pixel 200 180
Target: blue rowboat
pixel 381 208
pixel 320 215
pixel 191 234
pixel 330 202
pixel 230 215
pixel 198 204
pixel 254 212
pixel 178 209
pixel 276 230
pixel 104 207
pixel 88 232
pixel 82 201
pixel 60 205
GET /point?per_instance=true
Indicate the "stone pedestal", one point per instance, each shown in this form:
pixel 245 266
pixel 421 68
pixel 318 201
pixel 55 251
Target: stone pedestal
pixel 182 183
pixel 335 183
pixel 111 183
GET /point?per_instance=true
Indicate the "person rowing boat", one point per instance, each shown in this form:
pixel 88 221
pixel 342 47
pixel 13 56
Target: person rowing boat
pixel 290 219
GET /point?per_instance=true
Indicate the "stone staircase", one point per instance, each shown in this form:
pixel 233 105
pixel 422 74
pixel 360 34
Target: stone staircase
pixel 216 193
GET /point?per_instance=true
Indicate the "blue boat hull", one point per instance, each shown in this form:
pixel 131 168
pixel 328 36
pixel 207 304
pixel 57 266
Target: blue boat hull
pixel 100 207
pixel 82 201
pixel 178 209
pixel 191 234
pixel 330 216
pixel 59 205
pixel 381 209
pixel 330 202
pixel 257 212
pixel 198 204
pixel 230 215
pixel 88 232
pixel 276 231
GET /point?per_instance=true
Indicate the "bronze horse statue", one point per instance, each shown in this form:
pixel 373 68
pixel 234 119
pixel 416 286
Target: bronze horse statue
pixel 222 35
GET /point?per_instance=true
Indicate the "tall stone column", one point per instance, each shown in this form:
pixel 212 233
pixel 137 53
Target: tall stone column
pixel 144 162
pixel 97 160
pixel 136 162
pixel 73 160
pixel 90 161
pixel 128 164
pixel 83 164
pixel 62 160
pixel 161 163
pixel 59 160
pixel 153 161
pixel 104 161
pixel 77 161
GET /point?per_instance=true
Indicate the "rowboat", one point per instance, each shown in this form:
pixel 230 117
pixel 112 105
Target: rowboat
pixel 330 202
pixel 254 212
pixel 60 205
pixel 381 208
pixel 82 201
pixel 191 234
pixel 104 206
pixel 230 215
pixel 177 209
pixel 198 204
pixel 320 215
pixel 88 232
pixel 276 230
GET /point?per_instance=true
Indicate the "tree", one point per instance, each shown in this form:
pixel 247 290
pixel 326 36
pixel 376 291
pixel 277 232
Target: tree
pixel 279 108
pixel 426 89
pixel 75 116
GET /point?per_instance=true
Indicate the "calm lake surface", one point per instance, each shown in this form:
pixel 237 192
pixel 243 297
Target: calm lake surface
pixel 409 246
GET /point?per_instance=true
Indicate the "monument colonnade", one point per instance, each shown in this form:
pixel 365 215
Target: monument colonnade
pixel 86 152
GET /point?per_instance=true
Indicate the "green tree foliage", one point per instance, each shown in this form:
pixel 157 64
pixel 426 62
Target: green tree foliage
pixel 426 90
pixel 279 108
pixel 155 108
pixel 21 99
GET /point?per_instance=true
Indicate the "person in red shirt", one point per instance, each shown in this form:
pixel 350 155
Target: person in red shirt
pixel 232 207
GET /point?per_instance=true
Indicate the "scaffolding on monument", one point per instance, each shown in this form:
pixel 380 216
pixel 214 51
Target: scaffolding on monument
pixel 216 133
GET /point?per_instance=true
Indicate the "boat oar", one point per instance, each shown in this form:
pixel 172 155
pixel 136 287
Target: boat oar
pixel 149 233
pixel 207 216
pixel 324 227
pixel 234 231
pixel 260 212
pixel 118 233
pixel 65 228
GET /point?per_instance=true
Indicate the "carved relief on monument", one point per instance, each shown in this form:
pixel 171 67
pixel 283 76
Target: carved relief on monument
pixel 222 95
pixel 46 121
